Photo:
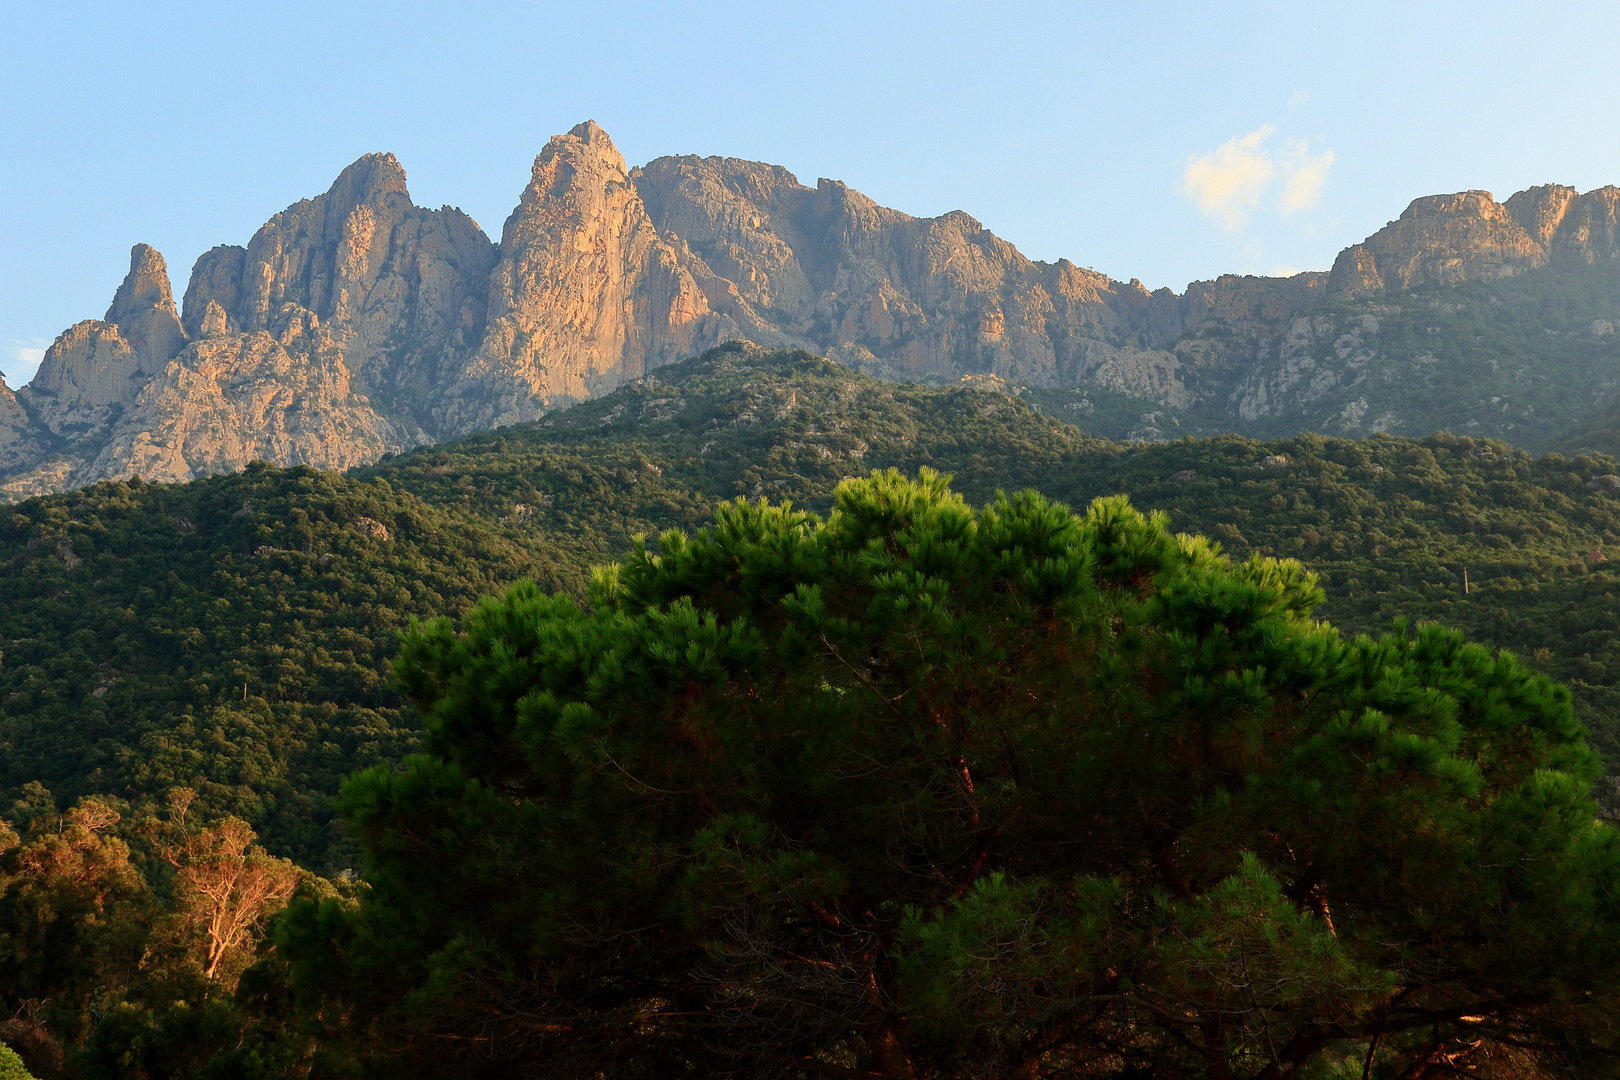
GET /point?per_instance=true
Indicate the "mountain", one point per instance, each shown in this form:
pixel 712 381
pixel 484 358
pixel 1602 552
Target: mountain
pixel 234 633
pixel 356 324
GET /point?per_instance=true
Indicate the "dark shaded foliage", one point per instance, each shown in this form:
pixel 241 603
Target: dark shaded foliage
pixel 231 635
pixel 131 615
pixel 914 792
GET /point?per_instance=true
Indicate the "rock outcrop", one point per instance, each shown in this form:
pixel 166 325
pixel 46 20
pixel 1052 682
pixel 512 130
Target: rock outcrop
pixel 111 400
pixel 1469 236
pixel 587 293
pixel 398 290
pixel 90 377
pixel 327 341
pixel 22 445
pixel 355 322
pixel 143 310
pixel 237 398
pixel 96 368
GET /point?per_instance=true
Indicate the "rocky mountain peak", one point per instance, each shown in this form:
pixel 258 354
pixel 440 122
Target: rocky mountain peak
pixel 397 290
pixel 144 312
pixel 576 170
pixel 1440 240
pixel 587 292
pixel 94 371
pixel 145 286
pixel 1541 210
pixel 1478 204
pixel 371 179
pixel 355 322
pixel 1469 236
pixel 591 135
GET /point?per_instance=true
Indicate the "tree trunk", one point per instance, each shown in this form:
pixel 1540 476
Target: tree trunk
pixel 889 1056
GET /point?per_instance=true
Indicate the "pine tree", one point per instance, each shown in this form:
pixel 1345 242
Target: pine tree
pixel 915 791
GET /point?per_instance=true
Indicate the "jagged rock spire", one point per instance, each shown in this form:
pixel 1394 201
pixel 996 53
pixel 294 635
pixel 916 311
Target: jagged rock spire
pixel 144 312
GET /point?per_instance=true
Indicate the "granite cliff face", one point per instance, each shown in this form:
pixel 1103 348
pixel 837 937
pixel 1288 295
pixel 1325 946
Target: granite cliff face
pixel 587 293
pixel 395 290
pixel 1469 236
pixel 925 298
pixel 356 323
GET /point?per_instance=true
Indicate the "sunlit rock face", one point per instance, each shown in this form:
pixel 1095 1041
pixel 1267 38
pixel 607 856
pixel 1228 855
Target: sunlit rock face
pixel 587 293
pixel 356 323
pixel 1469 236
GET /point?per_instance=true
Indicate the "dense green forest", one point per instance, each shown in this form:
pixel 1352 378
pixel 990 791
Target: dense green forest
pixel 233 636
pixel 914 791
pixel 1390 524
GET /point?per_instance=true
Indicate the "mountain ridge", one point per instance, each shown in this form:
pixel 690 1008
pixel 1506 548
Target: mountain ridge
pixel 355 324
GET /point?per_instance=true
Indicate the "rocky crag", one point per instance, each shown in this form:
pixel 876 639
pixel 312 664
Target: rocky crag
pixel 356 323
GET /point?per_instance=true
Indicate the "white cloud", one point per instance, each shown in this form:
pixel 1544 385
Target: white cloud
pixel 23 360
pixel 1305 176
pixel 1238 177
pixel 1285 271
pixel 1230 182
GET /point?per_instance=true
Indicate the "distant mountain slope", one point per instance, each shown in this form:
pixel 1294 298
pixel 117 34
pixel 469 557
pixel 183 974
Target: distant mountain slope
pixel 355 323
pixel 132 614
pixel 1597 432
pixel 1520 358
pixel 231 634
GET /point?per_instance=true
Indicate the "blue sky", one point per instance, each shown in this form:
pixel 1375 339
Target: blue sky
pixel 1168 142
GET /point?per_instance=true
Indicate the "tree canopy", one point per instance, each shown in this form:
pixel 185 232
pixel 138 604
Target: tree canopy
pixel 914 791
pixel 233 635
pixel 133 614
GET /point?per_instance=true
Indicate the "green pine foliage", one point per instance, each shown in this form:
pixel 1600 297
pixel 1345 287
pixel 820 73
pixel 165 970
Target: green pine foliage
pixel 914 791
pixel 1390 524
pixel 11 1066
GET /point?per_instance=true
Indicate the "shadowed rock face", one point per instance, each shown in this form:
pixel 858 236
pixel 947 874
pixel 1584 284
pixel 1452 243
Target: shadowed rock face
pixel 21 443
pixel 356 323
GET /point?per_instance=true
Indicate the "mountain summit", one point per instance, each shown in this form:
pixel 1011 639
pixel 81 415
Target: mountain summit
pixel 356 323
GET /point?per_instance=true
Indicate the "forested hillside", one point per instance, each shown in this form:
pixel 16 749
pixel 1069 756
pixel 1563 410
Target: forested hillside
pixel 234 634
pixel 1390 523
pixel 231 634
